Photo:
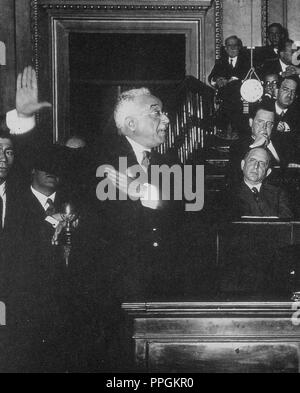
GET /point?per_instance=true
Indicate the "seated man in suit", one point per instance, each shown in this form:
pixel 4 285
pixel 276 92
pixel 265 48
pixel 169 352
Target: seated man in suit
pixel 287 116
pixel 226 77
pixel 275 34
pixel 254 196
pixel 281 149
pixel 283 65
pixel 271 84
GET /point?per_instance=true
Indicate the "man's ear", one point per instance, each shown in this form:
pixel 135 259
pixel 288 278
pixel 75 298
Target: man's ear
pixel 269 172
pixel 250 122
pixel 242 164
pixel 130 123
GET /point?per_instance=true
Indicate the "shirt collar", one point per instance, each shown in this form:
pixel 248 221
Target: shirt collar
pixel 257 186
pixel 278 109
pixel 138 149
pixel 2 189
pixel 43 198
pixel 283 65
pixel 234 60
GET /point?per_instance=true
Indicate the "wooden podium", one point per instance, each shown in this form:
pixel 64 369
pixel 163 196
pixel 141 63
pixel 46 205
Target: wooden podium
pixel 215 336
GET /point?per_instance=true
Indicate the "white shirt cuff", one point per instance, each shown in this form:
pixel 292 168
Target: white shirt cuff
pixel 150 196
pixel 52 221
pixel 17 124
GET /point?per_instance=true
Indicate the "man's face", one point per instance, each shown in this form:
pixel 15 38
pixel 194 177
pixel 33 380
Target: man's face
pixel 255 166
pixel 6 157
pixel 274 36
pixel 286 93
pixel 44 182
pixel 232 47
pixel 263 123
pixel 286 54
pixel 271 84
pixel 150 122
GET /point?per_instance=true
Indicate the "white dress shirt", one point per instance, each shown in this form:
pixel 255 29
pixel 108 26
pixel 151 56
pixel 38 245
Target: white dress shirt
pixel 232 60
pixel 150 196
pixel 279 110
pixel 19 125
pixel 257 186
pixel 283 66
pixel 43 201
pixel 3 197
pixel 273 151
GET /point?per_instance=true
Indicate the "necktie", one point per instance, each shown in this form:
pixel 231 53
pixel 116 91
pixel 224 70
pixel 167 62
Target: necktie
pixel 51 208
pixel 146 161
pixel 231 63
pixel 255 193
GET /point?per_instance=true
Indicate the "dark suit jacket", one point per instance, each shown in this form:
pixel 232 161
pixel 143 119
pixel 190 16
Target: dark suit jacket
pixel 147 239
pixel 262 55
pixel 272 201
pixel 283 145
pixel 223 68
pixel 270 66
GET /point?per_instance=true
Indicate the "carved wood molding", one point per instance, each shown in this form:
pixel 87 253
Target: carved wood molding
pixel 130 5
pixel 264 21
pixel 218 27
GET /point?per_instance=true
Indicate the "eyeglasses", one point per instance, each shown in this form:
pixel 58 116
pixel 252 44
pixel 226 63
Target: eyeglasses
pixel 288 91
pixel 157 113
pixel 271 83
pixel 264 124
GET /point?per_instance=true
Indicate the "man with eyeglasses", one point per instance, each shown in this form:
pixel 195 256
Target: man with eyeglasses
pixel 282 65
pixel 271 82
pixel 286 107
pixel 141 231
pixel 226 77
pixel 233 64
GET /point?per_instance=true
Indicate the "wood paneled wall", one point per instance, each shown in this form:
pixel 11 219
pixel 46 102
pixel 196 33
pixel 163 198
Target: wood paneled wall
pixel 15 32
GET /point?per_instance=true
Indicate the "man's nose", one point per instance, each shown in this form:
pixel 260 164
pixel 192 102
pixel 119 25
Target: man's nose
pixel 2 156
pixel 165 119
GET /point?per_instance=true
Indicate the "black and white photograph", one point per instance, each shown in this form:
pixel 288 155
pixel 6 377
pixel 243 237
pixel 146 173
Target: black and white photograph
pixel 149 189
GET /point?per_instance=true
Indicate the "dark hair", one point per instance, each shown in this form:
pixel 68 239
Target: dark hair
pixel 240 44
pixel 292 78
pixel 283 31
pixel 4 130
pixel 265 105
pixel 280 27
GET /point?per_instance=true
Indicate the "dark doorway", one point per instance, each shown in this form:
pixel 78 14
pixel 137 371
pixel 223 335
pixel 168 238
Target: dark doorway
pixel 103 64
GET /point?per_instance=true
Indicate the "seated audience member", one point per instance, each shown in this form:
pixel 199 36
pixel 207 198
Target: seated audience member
pixel 231 66
pixel 282 66
pixel 275 34
pixel 254 196
pixel 226 76
pixel 287 116
pixel 281 149
pixel 271 84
